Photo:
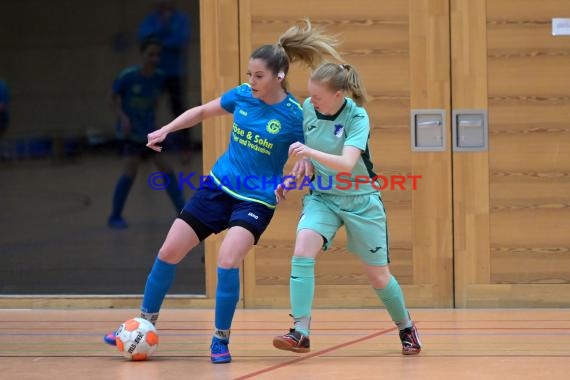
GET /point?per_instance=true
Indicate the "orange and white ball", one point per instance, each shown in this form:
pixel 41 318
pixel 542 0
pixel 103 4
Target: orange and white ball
pixel 137 339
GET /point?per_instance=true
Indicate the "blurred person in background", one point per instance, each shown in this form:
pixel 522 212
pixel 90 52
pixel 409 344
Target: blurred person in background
pixel 134 99
pixel 172 28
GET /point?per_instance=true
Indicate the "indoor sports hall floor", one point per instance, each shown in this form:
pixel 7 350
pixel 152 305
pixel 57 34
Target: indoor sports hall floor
pixel 346 344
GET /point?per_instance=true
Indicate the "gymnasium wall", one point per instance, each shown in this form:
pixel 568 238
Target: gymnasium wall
pixel 484 228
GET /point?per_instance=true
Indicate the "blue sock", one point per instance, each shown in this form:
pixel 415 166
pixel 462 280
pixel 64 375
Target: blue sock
pixel 120 196
pixel 227 296
pixel 157 284
pixel 175 193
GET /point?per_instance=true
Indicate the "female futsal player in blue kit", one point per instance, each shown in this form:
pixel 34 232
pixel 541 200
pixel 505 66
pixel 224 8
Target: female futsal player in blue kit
pixel 267 119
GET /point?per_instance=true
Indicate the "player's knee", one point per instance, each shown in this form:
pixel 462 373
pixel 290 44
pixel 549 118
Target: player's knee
pixel 302 250
pixel 380 278
pixel 380 283
pixel 228 262
pixel 170 254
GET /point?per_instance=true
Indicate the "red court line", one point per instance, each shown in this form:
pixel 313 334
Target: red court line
pixel 234 330
pixel 321 352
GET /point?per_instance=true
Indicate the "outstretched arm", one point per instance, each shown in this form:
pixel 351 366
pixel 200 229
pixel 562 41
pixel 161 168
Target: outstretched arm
pixel 187 120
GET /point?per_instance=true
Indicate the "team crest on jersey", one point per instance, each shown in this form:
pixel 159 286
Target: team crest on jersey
pixel 273 126
pixel 338 129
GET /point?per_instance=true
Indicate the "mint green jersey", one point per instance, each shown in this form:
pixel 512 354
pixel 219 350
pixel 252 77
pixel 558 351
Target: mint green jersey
pixel 350 126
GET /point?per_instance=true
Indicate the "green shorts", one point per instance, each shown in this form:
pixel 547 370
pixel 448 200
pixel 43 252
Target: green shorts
pixel 363 216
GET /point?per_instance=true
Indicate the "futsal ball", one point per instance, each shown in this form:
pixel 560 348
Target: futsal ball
pixel 137 339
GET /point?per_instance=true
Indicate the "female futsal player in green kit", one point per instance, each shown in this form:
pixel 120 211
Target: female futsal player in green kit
pixel 336 130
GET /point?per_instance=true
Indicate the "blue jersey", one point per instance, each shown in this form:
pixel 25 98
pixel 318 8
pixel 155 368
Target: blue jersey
pixel 173 34
pixel 252 166
pixel 139 96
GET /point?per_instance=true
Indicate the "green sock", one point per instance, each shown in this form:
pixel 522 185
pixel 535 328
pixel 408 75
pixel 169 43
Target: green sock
pixel 302 290
pixel 393 299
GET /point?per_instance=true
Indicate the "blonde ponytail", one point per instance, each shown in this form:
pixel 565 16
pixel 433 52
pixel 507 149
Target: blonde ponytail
pixel 298 44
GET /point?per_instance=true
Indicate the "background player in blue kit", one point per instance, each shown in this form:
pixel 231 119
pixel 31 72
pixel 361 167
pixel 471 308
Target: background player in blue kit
pixel 336 130
pixel 134 99
pixel 267 119
pixel 172 28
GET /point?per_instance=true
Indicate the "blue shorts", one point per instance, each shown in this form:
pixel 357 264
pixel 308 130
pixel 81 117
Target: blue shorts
pixel 212 210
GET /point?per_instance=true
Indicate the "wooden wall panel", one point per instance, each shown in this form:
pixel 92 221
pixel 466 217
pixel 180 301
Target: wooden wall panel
pixel 375 39
pixel 511 244
pixel 529 112
pixel 431 207
pixel 522 73
pixel 509 204
pixel 368 12
pixel 470 169
pixel 220 72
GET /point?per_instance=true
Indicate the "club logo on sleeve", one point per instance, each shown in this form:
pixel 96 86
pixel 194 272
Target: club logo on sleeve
pixel 273 126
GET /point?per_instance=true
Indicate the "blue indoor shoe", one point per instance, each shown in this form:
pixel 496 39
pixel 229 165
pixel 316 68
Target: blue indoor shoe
pixel 219 351
pixel 117 223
